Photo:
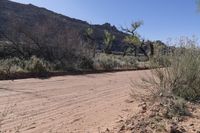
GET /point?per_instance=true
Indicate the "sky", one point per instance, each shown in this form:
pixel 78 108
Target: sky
pixel 163 19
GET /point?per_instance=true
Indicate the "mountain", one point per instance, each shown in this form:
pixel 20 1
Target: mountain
pixel 27 30
pixel 38 30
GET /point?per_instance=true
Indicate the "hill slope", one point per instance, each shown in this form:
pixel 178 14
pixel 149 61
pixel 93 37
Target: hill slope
pixel 39 30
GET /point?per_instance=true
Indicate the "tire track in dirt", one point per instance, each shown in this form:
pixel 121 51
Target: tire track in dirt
pixel 71 104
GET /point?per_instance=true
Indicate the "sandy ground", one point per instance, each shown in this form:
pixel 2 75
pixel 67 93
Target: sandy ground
pixel 68 104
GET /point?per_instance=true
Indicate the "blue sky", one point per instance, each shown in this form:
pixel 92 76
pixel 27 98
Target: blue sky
pixel 163 19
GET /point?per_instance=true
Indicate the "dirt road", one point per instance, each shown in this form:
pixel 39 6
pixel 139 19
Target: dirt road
pixel 67 104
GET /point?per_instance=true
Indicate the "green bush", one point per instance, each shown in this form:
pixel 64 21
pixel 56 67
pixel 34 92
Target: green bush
pixel 112 62
pixel 185 74
pixel 107 63
pixel 160 61
pixel 86 63
pixel 37 65
pixel 181 76
pixel 175 107
pixel 11 65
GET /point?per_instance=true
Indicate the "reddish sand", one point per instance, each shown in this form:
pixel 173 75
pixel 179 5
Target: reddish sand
pixel 68 104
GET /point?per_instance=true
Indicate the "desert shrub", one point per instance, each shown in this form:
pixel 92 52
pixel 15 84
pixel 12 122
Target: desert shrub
pixel 130 61
pixel 111 62
pixel 176 80
pixel 37 65
pixel 86 63
pixel 11 65
pixel 185 74
pixel 34 64
pixel 107 62
pixel 3 75
pixel 181 77
pixel 160 61
pixel 62 65
pixel 175 107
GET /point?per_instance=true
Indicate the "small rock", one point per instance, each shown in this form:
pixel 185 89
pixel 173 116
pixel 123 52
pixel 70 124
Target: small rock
pixel 120 121
pixel 129 101
pixel 129 127
pixel 122 128
pixel 191 124
pixel 176 119
pixel 182 129
pixel 173 130
pixel 144 107
pixel 107 130
pixel 143 103
pixel 152 114
pixel 143 111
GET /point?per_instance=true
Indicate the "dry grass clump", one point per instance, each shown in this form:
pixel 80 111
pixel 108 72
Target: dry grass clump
pixel 113 62
pixel 181 76
pixel 36 65
pixel 15 65
pixel 9 66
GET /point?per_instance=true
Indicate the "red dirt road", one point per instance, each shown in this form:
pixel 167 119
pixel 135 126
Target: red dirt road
pixel 67 104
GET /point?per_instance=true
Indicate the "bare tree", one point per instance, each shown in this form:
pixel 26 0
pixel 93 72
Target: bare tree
pixel 134 38
pixel 16 48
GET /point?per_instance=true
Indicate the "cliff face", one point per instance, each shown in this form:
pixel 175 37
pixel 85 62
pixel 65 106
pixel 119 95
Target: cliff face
pixel 38 26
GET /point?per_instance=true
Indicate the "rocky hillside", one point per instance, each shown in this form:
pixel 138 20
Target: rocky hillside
pixel 37 27
pixel 27 30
